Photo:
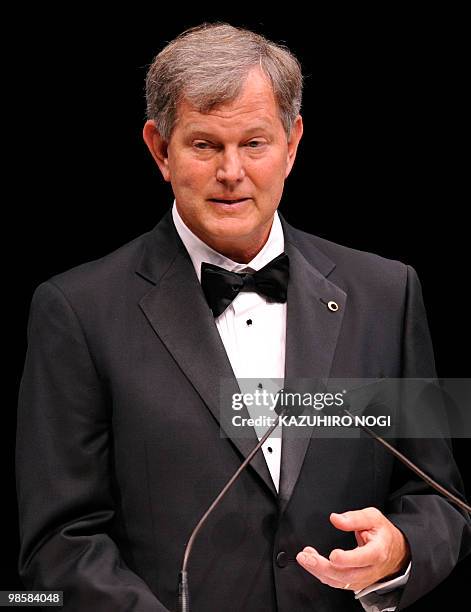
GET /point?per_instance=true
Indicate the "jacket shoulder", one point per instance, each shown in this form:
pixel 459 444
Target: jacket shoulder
pixel 98 276
pixel 349 265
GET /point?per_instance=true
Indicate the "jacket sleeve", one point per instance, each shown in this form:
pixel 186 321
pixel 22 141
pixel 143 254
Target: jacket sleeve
pixel 63 455
pixel 439 534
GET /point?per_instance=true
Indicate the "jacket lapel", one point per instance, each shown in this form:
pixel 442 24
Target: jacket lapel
pixel 311 338
pixel 178 313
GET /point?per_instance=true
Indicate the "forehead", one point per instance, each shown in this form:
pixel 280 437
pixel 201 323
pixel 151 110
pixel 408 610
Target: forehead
pixel 256 107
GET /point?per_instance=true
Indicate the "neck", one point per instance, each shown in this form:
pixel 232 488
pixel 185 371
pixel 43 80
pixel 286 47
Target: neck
pixel 240 253
pixel 241 249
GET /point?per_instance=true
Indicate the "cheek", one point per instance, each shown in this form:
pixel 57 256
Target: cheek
pixel 188 174
pixel 269 173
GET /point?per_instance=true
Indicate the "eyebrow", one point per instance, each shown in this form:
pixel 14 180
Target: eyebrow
pixel 197 131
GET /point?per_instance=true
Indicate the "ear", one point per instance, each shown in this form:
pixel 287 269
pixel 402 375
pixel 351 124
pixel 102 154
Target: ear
pixel 295 137
pixel 158 147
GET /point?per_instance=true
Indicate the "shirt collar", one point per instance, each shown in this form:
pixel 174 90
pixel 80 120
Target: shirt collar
pixel 200 252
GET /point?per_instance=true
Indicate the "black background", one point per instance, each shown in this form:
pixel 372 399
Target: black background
pixel 381 166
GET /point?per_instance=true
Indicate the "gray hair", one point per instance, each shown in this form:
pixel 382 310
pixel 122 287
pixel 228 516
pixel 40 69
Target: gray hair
pixel 208 65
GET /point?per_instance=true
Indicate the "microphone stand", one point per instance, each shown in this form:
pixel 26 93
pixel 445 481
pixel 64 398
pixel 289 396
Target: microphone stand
pixel 183 593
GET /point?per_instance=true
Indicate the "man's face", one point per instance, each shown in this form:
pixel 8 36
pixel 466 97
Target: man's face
pixel 227 167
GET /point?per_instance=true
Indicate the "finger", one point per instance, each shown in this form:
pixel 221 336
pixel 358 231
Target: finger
pixel 323 570
pixel 362 556
pixel 310 563
pixel 357 520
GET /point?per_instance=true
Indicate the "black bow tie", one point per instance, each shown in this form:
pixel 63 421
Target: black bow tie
pixel 221 286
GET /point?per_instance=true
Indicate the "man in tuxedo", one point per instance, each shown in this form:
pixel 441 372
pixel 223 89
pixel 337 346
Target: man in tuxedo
pixel 120 450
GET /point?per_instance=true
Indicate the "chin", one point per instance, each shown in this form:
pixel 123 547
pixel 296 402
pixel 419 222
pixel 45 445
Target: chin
pixel 231 229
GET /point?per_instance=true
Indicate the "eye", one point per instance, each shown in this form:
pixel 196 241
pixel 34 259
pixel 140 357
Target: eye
pixel 202 145
pixel 256 144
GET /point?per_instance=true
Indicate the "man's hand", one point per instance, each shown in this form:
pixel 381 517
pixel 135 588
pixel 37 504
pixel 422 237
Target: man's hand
pixel 381 552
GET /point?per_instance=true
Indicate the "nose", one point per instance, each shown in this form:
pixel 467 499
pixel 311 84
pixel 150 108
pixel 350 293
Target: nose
pixel 230 167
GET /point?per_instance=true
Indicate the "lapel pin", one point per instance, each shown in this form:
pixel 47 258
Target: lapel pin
pixel 331 305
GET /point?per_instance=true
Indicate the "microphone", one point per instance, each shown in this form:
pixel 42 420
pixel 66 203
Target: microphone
pixel 293 409
pixel 183 591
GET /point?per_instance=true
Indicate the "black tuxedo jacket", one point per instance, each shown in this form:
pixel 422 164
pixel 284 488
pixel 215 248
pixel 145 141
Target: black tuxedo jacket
pixel 119 450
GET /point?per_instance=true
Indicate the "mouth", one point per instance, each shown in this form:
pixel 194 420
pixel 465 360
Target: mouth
pixel 228 201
